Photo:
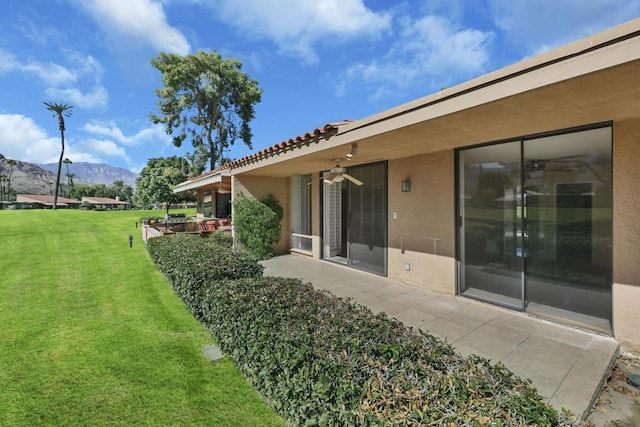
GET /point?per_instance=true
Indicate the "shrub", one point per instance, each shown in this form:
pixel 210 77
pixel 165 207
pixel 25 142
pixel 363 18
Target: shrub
pixel 222 239
pixel 256 226
pixel 319 359
pixel 322 360
pixel 189 261
pixel 273 204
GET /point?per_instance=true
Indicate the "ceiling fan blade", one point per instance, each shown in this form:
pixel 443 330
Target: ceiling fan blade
pixel 352 179
pixel 330 178
pixel 315 180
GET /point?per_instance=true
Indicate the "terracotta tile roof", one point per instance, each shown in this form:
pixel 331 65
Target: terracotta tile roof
pixel 288 145
pixel 282 147
pixel 45 199
pixel 103 201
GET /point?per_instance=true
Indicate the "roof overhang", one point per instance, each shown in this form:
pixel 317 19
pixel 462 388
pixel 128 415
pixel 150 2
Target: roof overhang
pixel 221 178
pixel 590 81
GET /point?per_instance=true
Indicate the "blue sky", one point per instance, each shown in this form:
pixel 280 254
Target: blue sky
pixel 316 60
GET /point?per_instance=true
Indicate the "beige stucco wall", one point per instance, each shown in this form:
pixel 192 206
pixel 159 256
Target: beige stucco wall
pixel 626 233
pixel 421 217
pixel 260 187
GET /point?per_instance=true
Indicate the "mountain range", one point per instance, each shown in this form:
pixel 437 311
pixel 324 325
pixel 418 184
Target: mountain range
pixel 30 178
pixel 94 173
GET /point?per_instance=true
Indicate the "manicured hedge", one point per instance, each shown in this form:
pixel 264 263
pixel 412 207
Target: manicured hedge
pixel 188 261
pixel 322 360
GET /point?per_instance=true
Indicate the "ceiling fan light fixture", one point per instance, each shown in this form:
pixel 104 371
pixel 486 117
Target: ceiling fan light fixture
pixel 354 150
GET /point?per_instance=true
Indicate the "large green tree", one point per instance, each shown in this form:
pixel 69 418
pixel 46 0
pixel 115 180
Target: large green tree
pixel 117 190
pixel 208 98
pixel 61 111
pixel 158 178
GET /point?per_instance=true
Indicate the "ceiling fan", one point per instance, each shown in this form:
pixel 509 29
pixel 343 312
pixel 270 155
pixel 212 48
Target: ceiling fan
pixel 339 174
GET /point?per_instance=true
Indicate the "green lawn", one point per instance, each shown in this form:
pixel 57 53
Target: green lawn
pixel 91 334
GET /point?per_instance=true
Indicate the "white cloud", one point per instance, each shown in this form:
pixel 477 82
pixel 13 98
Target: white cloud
pixel 7 62
pixel 21 138
pixel 39 34
pixel 51 74
pixel 110 129
pixel 429 52
pixel 296 25
pixel 97 97
pixel 63 81
pixel 106 147
pixel 85 66
pixel 136 21
pixel 539 25
pixel 80 156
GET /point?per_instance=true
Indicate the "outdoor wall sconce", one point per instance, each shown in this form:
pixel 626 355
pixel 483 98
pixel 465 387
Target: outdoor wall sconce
pixel 406 186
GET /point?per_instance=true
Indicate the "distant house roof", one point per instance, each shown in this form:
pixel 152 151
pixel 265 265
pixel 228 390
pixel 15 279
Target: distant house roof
pixel 103 201
pixel 45 199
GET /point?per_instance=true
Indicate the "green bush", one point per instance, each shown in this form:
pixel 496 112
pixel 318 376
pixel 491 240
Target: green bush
pixel 319 359
pixel 322 360
pixel 256 226
pixel 273 204
pixel 189 261
pixel 222 239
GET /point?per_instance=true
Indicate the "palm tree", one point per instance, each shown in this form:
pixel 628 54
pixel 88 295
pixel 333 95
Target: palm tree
pixel 60 110
pixel 3 178
pixel 1 184
pixel 70 181
pixel 11 164
pixel 67 162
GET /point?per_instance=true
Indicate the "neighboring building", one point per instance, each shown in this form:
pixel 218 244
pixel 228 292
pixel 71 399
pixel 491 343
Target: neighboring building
pixel 214 193
pixel 517 188
pixel 44 201
pixel 104 203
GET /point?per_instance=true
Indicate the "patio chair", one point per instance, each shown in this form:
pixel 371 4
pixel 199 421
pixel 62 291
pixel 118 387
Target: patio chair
pixel 207 227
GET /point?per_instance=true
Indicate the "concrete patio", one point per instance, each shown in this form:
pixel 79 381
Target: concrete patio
pixel 568 366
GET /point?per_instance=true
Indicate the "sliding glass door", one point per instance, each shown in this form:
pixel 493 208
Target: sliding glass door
pixel 367 225
pixel 568 214
pixel 535 226
pixel 490 234
pixel 355 219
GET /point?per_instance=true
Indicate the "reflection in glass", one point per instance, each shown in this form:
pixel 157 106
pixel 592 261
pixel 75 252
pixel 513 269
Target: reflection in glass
pixel 223 205
pixel 207 203
pixel 536 216
pixel 355 219
pixel 368 218
pixel 490 232
pixel 569 227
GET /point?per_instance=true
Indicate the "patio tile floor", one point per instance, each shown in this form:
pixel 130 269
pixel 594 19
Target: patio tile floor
pixel 568 366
